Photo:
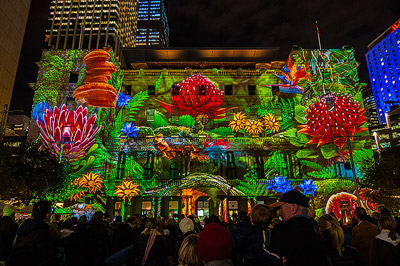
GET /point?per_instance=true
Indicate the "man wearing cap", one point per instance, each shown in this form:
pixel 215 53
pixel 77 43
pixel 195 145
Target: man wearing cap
pixel 296 239
pixel 8 228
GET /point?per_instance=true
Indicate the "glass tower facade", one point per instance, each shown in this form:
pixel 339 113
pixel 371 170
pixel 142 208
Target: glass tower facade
pixel 92 24
pixel 152 24
pixel 383 60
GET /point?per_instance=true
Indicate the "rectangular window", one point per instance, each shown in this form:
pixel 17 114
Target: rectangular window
pixel 73 77
pixel 278 114
pixel 252 89
pixel 175 115
pixel 202 90
pixel 228 89
pixel 151 90
pixel 175 90
pixel 253 113
pixel 150 113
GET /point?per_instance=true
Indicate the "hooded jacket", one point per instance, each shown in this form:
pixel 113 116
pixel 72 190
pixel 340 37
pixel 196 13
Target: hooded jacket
pixel 385 251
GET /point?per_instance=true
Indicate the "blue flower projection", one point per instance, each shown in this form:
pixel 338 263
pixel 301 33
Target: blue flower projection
pixel 215 152
pixel 123 100
pixel 308 187
pixel 130 130
pixel 38 110
pixel 279 184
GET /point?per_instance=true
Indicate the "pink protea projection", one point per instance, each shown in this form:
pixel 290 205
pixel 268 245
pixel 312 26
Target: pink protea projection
pixel 194 96
pixel 331 117
pixel 66 133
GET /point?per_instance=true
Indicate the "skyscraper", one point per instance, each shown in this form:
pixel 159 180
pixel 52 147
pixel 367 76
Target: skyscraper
pixel 13 17
pixel 383 59
pixel 91 24
pixel 152 24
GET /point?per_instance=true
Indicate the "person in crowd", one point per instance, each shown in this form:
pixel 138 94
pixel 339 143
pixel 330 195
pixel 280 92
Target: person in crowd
pixel 385 212
pixel 169 228
pixel 125 234
pixel 363 233
pixel 188 253
pixel 35 231
pixel 150 247
pixel 107 219
pixel 97 240
pixel 243 220
pixel 28 254
pixel 339 253
pixel 186 226
pixel 80 227
pixel 374 218
pixel 215 245
pixel 71 244
pixel 297 239
pixel 8 230
pixel 385 247
pixel 197 226
pixel 114 225
pixel 57 220
pixel 250 242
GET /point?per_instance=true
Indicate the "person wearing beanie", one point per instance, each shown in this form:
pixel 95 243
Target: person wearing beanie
pixel 215 245
pixel 186 226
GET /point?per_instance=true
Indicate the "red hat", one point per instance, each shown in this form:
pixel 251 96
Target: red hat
pixel 215 243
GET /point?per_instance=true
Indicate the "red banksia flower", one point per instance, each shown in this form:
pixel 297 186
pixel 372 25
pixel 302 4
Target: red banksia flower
pixel 331 117
pixel 196 95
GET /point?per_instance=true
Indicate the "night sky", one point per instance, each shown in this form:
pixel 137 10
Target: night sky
pixel 238 23
pixel 283 23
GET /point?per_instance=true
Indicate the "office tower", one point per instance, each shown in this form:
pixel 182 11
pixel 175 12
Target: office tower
pixel 152 24
pixel 370 108
pixel 91 24
pixel 13 18
pixel 383 59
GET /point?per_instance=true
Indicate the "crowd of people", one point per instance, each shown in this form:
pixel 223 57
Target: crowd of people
pixel 283 233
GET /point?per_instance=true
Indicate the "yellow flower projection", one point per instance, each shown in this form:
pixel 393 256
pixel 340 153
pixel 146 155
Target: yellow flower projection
pixel 91 181
pixel 239 121
pixel 270 123
pixel 77 195
pixel 127 189
pixel 254 127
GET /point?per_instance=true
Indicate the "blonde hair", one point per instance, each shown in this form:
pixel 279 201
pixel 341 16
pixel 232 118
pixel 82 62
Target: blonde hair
pixel 331 231
pixel 389 223
pixel 188 253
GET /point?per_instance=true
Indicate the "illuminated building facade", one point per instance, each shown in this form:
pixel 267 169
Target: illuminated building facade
pixel 383 58
pixel 91 24
pixel 152 24
pixel 203 131
pixel 370 108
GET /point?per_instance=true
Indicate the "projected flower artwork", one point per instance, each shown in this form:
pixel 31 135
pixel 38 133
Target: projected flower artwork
pixel 279 184
pixel 129 130
pixel 238 122
pixel 271 124
pixel 77 195
pixel 331 117
pixel 308 187
pixel 92 181
pixel 196 95
pixel 96 91
pixel 292 74
pixel 127 190
pixel 254 127
pixel 39 110
pixel 123 100
pixel 66 133
pixel 334 203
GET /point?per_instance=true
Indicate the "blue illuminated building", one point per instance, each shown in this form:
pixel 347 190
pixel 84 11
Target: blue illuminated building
pixel 383 58
pixel 152 24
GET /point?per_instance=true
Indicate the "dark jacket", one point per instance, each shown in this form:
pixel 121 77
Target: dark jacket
pixel 124 236
pixel 248 246
pixel 37 232
pixel 350 257
pixel 361 237
pixel 8 229
pixel 298 241
pixel 385 251
pixel 72 245
pixel 159 252
pixel 97 244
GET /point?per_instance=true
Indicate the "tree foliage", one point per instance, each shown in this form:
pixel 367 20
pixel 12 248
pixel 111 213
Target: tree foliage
pixel 383 178
pixel 30 173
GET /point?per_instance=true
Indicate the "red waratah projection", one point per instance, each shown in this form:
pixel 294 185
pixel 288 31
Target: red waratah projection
pixel 331 117
pixel 196 95
pixel 68 133
pixel 96 91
